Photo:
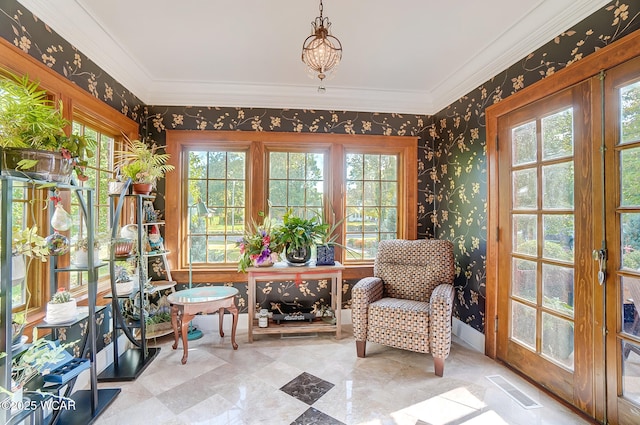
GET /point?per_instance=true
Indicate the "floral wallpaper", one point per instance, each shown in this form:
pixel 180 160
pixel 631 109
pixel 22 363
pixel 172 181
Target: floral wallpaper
pixel 452 199
pixel 457 138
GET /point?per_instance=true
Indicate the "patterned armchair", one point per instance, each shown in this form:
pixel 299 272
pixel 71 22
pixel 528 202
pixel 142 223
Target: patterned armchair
pixel 408 302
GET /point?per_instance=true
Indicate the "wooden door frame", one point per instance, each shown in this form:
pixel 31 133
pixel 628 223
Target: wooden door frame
pixel 605 58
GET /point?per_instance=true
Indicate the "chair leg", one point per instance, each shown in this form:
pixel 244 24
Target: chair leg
pixel 360 348
pixel 438 364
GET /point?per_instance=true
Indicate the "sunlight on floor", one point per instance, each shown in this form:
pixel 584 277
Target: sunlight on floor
pixel 458 406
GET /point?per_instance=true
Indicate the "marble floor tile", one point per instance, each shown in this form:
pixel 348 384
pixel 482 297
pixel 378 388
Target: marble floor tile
pixel 220 386
pixel 307 388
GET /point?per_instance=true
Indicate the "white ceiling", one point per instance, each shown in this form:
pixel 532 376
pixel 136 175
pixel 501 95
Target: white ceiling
pixel 404 56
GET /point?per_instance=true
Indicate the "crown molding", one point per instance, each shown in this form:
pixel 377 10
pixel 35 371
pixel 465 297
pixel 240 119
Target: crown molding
pixel 76 25
pixel 515 44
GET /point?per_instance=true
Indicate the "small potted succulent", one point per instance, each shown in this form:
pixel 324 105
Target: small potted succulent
pixel 62 307
pixel 81 255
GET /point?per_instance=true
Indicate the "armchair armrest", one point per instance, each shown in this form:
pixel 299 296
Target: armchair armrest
pixel 366 291
pixel 441 301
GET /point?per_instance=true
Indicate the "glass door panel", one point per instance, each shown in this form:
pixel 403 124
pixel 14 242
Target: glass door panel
pixel 545 167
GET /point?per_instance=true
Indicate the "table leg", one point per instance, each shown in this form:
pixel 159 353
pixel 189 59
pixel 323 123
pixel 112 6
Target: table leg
pixel 221 318
pixel 174 324
pixel 234 312
pixel 186 318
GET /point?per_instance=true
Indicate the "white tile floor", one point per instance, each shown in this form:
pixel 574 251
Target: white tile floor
pixel 390 386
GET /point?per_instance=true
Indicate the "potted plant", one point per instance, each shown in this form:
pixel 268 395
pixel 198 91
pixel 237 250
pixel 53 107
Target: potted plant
pixel 32 134
pixel 43 355
pixel 81 255
pixel 143 165
pixel 62 307
pixel 257 247
pixel 26 242
pixel 297 235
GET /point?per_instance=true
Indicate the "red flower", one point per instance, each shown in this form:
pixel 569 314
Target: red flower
pixel 65 153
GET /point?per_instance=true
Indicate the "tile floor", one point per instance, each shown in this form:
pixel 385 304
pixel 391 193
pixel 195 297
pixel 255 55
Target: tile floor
pixel 318 380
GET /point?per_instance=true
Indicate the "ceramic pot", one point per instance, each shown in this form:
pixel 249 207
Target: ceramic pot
pixel 81 258
pixel 142 188
pixel 298 256
pixel 130 231
pixel 325 255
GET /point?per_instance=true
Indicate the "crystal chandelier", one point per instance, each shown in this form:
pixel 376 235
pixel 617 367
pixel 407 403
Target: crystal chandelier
pixel 321 51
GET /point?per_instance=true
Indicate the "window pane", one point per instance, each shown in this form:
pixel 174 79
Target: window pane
pixel 524 143
pixel 525 189
pixel 523 324
pixel 213 238
pixel 525 231
pixel 557 288
pixel 557 135
pixel 524 280
pixel 557 182
pixel 371 202
pixel 99 171
pixel 296 179
pixel 630 177
pixel 558 236
pixel 557 339
pixel 630 249
pixel 630 113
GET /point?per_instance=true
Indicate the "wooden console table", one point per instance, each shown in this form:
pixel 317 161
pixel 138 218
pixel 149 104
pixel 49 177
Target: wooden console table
pixel 283 271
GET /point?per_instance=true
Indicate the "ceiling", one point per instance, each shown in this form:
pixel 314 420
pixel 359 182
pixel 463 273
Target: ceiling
pixel 403 56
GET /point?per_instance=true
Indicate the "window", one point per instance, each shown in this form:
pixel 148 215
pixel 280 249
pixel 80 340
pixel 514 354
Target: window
pixel 372 202
pixel 370 180
pixel 296 181
pixel 98 172
pixel 91 117
pixel 216 178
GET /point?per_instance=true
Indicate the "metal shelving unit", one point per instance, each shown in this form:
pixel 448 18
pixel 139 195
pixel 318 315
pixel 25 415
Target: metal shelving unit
pixel 89 403
pixel 130 364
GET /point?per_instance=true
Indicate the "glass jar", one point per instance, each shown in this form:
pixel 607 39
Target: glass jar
pixel 263 318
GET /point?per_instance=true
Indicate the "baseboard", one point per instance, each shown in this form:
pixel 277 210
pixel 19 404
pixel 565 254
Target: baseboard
pixel 467 334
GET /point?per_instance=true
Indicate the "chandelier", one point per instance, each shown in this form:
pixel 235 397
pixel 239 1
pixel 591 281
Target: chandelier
pixel 321 51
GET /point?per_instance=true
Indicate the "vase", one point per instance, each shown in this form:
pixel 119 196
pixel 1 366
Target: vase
pixel 267 262
pixel 142 188
pixel 61 219
pixel 298 256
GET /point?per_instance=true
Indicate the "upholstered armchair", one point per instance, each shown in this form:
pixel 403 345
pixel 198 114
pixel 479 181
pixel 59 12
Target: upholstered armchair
pixel 408 302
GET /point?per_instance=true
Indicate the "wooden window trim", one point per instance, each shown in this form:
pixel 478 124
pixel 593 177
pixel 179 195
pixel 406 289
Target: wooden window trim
pixel 92 110
pixel 258 145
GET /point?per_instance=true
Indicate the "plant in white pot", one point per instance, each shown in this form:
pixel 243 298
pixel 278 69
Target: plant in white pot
pixel 62 307
pixel 81 254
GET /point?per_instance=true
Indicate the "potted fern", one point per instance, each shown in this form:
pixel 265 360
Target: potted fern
pixel 32 138
pixel 143 164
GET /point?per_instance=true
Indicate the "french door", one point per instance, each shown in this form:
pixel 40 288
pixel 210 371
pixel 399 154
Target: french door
pixel 622 212
pixel 545 291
